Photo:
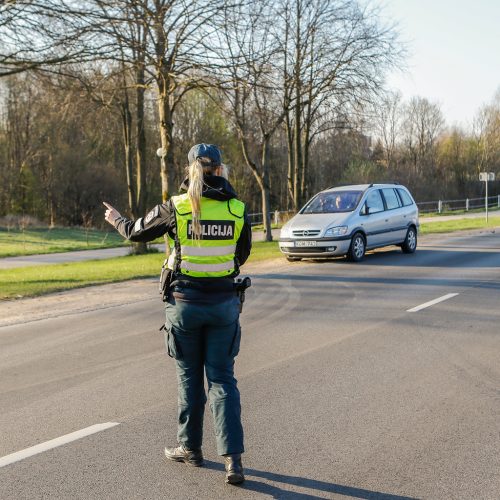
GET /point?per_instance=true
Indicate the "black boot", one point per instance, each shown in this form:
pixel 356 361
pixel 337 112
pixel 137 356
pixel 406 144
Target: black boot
pixel 181 454
pixel 234 469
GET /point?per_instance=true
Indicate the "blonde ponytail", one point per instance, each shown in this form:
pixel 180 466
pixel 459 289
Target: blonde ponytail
pixel 196 171
pixel 194 193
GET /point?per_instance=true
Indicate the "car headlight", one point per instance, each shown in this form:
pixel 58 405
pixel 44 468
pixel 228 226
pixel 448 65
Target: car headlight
pixel 336 231
pixel 285 232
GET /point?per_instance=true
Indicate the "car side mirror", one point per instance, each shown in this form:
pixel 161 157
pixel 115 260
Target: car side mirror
pixel 365 210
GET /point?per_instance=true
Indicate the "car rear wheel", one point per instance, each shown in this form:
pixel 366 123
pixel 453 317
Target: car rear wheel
pixel 410 243
pixel 292 259
pixel 357 248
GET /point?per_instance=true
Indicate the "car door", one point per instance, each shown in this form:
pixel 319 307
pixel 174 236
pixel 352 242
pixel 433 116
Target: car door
pixel 409 208
pixel 374 219
pixel 395 216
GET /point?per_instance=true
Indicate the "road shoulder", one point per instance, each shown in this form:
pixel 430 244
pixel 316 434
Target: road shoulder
pixel 96 297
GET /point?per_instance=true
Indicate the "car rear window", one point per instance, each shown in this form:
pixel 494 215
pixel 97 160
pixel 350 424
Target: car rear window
pixel 374 202
pixel 391 198
pixel 405 197
pixel 333 202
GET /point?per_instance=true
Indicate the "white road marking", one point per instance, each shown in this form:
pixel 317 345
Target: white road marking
pixel 54 443
pixel 432 302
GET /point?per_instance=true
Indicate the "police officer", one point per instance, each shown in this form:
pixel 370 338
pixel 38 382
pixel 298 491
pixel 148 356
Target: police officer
pixel 210 238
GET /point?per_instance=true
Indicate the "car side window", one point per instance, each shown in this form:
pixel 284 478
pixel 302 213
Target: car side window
pixel 405 197
pixel 391 198
pixel 374 202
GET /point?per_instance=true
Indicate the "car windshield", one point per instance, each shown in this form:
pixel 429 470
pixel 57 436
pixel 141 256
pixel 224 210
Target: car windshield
pixel 333 202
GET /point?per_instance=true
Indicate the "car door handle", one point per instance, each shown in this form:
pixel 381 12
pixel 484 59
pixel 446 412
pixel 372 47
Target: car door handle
pixel 386 220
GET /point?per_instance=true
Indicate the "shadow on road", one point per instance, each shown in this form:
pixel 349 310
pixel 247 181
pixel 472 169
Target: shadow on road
pixel 422 258
pixel 302 482
pixel 405 280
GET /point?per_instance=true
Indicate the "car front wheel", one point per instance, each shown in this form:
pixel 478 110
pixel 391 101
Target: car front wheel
pixel 357 249
pixel 410 243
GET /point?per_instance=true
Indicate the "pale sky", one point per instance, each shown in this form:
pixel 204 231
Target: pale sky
pixel 454 53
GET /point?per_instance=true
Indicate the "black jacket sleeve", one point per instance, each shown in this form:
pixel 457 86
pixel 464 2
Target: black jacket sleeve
pixel 156 223
pixel 244 243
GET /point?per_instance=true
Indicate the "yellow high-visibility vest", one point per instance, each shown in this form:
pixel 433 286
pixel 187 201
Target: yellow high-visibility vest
pixel 213 255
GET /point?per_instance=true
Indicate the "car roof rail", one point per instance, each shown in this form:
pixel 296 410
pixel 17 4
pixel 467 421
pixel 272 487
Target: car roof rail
pixel 337 186
pixel 381 183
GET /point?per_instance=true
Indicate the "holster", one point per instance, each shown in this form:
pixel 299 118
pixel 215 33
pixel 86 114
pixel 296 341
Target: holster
pixel 165 281
pixel 241 284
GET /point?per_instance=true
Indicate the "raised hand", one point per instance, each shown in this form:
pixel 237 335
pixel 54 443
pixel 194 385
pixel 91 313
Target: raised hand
pixel 111 213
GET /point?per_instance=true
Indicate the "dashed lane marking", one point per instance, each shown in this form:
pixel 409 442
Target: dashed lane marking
pixel 432 302
pixel 54 443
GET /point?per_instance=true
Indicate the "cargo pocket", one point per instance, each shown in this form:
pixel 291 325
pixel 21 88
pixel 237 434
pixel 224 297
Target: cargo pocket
pixel 171 343
pixel 235 344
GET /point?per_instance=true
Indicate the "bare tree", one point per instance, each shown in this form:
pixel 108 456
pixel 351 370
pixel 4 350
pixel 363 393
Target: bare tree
pixel 43 33
pixel 387 117
pixel 178 51
pixel 423 124
pixel 250 91
pixel 168 40
pixel 335 55
pixel 486 133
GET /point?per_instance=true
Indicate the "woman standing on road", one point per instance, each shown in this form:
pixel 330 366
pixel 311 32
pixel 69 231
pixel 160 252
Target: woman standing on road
pixel 210 237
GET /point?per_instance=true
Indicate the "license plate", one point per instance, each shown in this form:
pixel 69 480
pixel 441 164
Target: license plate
pixel 305 243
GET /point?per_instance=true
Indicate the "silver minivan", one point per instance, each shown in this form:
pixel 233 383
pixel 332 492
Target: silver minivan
pixel 348 220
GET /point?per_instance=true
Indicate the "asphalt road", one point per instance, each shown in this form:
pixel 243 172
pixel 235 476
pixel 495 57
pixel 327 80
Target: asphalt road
pixel 345 393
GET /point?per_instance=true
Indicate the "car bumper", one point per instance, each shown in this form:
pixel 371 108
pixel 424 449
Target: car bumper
pixel 327 247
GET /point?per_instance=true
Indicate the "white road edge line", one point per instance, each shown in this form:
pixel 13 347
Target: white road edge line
pixel 54 443
pixel 432 302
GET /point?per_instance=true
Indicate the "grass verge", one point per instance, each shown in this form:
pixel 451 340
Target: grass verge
pixel 458 225
pixel 33 241
pixel 38 280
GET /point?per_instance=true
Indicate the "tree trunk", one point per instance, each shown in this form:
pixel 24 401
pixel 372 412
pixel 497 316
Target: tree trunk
pixel 297 157
pixel 140 202
pixel 265 192
pixel 305 160
pixel 297 113
pixel 266 215
pixel 262 181
pixel 290 176
pixel 140 147
pixel 166 138
pixel 50 192
pixel 127 143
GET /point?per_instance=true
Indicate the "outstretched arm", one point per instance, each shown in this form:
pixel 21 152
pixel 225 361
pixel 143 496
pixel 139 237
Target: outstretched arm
pixel 156 223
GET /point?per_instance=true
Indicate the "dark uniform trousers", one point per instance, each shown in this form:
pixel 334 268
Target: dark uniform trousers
pixel 206 336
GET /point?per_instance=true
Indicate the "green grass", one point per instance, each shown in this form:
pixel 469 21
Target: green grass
pixel 263 250
pixel 38 280
pixel 36 241
pixel 458 225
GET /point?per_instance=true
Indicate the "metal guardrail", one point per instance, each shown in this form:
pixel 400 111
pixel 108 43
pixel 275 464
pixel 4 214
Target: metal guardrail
pixel 440 206
pixel 437 206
